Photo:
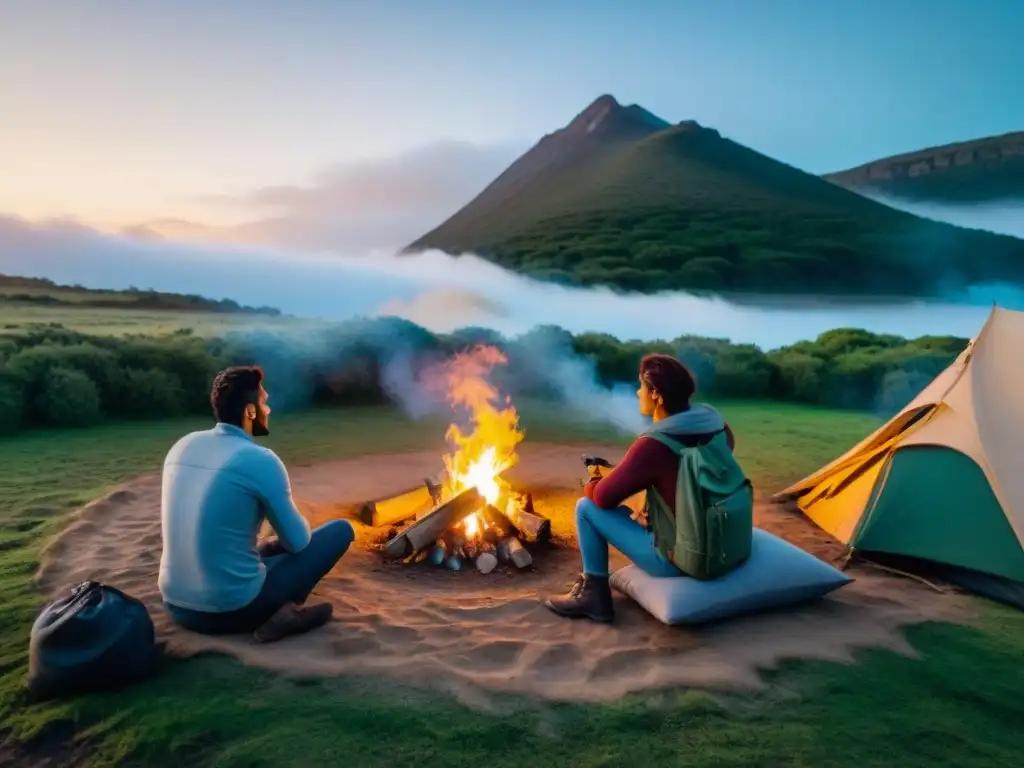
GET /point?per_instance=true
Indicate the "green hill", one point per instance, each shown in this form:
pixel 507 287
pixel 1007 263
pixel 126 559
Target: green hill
pixel 979 171
pixel 621 198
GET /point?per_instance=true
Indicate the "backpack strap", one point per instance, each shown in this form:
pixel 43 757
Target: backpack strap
pixel 675 446
pixel 665 539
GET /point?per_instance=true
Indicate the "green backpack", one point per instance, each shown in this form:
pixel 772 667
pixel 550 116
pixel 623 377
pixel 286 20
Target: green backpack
pixel 711 530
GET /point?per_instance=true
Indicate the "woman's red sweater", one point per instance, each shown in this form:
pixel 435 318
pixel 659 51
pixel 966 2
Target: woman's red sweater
pixel 647 463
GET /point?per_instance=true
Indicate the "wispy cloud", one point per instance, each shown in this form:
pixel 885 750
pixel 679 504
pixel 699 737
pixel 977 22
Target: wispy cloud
pixel 378 204
pixel 443 175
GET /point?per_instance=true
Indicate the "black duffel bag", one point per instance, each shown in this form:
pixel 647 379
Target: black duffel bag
pixel 95 638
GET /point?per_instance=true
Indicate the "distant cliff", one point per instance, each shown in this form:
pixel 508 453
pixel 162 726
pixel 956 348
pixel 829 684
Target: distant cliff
pixel 982 170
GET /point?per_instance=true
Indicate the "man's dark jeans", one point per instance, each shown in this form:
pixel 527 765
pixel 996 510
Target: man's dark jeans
pixel 290 579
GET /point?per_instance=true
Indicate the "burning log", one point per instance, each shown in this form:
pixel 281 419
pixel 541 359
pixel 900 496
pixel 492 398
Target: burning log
pixel 429 528
pixel 486 562
pixel 486 545
pixel 453 539
pixel 496 525
pixel 438 554
pixel 512 549
pixel 531 526
pixel 405 505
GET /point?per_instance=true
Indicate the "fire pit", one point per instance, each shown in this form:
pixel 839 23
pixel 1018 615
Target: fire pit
pixel 465 529
pixel 469 514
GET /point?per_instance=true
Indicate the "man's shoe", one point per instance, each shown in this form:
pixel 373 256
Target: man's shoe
pixel 589 598
pixel 291 619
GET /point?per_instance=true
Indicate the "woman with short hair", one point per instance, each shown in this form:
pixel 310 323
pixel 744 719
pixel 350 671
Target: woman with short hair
pixel 665 393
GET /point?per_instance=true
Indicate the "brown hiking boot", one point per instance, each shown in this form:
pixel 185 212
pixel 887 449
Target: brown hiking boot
pixel 291 619
pixel 590 598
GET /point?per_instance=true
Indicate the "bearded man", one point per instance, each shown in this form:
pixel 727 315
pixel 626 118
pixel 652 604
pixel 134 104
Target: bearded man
pixel 219 486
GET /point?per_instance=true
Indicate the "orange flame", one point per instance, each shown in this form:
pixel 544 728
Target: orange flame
pixel 479 456
pixel 471 525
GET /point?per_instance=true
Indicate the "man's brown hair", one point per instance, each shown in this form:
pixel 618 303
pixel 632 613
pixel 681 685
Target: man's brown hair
pixel 233 389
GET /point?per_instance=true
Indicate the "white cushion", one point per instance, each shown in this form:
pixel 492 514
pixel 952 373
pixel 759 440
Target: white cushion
pixel 776 574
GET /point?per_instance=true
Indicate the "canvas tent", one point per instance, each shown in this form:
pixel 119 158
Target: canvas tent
pixel 943 480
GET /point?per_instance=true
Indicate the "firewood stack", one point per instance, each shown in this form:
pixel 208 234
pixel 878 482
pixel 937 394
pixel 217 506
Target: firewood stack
pixel 428 523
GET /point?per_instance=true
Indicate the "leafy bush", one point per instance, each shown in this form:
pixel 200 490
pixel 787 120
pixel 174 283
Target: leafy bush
pixel 186 360
pixel 68 398
pixel 742 371
pixel 701 357
pixel 33 367
pixel 898 388
pixel 7 348
pixel 58 377
pixel 799 375
pixel 152 393
pixel 12 407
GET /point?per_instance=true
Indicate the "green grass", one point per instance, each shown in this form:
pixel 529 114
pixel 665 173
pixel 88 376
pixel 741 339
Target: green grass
pixel 38 290
pixel 684 208
pixel 27 304
pixel 959 704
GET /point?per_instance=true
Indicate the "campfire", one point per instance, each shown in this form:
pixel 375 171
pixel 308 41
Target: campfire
pixel 468 515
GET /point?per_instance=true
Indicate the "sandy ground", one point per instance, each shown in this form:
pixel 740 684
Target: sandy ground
pixel 469 633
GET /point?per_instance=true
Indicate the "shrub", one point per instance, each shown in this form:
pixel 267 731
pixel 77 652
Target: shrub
pixel 854 379
pixel 703 365
pixel 471 336
pixel 742 371
pixel 186 359
pixel 612 359
pixel 7 348
pixel 799 375
pixel 33 366
pixel 839 341
pixel 706 272
pixel 68 398
pixel 152 393
pixel 54 376
pixel 899 388
pixel 700 355
pixel 12 407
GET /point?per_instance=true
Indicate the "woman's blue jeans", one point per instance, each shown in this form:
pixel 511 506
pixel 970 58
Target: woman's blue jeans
pixel 596 528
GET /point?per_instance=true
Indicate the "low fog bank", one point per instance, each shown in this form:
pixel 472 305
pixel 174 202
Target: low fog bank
pixel 1004 217
pixel 443 293
pixel 392 302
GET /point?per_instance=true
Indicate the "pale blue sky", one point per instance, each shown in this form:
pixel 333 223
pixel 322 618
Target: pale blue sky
pixel 119 111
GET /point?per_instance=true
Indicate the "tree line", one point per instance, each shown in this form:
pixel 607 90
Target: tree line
pixel 41 291
pixel 55 377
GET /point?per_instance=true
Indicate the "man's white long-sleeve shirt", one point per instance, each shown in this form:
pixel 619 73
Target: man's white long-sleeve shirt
pixel 218 486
